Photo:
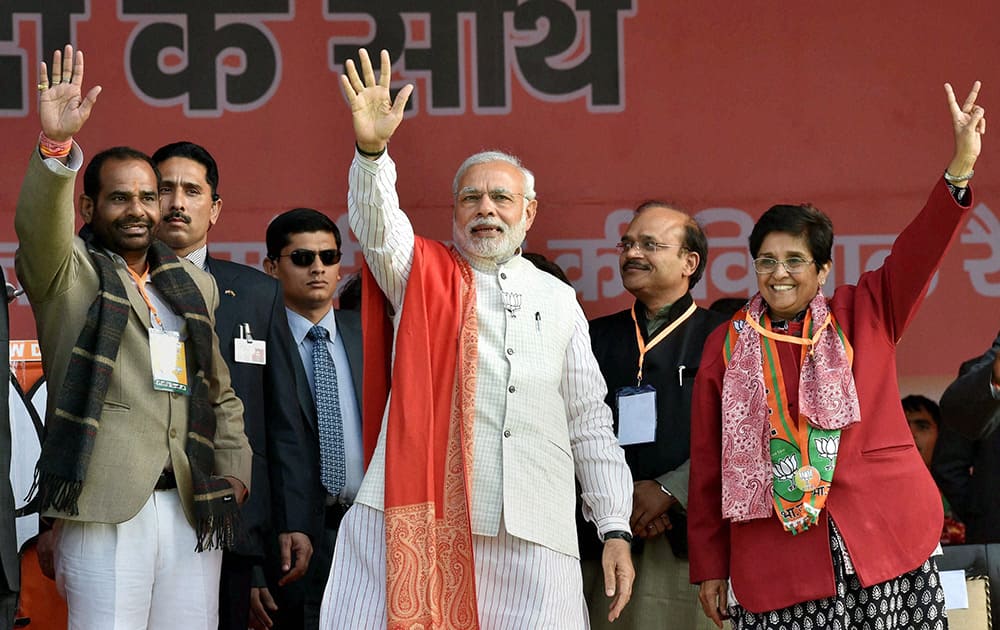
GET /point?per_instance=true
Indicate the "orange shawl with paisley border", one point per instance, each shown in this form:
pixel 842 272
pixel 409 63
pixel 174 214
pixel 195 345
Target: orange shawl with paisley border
pixel 430 571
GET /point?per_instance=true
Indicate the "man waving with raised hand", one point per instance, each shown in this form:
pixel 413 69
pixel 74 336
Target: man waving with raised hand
pixel 144 460
pixel 465 517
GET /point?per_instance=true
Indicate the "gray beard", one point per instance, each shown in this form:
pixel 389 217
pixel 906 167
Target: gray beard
pixel 491 249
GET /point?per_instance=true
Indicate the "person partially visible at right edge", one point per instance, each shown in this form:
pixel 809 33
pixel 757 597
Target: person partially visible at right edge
pixel 808 496
pixel 971 405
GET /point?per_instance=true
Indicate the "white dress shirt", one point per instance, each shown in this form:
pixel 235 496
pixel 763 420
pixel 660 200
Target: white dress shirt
pixel 350 410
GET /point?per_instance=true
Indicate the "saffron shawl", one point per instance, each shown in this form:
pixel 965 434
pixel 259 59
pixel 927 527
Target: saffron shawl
pixel 430 570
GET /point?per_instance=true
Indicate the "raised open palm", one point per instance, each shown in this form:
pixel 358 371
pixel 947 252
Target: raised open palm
pixel 375 115
pixel 62 107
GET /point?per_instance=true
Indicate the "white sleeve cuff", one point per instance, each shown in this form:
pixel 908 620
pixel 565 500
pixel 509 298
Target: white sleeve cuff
pixel 73 163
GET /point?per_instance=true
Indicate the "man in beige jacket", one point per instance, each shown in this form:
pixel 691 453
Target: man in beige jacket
pixel 144 459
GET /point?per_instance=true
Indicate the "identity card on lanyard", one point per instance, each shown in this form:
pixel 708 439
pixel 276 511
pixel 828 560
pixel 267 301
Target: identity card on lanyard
pixel 166 352
pixel 167 357
pixel 637 405
pixel 247 349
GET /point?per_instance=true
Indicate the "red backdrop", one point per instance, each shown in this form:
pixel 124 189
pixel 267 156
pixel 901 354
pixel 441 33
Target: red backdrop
pixel 724 108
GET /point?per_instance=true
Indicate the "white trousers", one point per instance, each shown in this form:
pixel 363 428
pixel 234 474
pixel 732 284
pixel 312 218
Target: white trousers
pixel 138 575
pixel 519 585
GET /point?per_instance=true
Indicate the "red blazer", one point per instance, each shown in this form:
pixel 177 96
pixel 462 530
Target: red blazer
pixel 883 499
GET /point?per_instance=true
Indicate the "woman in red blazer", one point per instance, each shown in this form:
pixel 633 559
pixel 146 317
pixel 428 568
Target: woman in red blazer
pixel 807 493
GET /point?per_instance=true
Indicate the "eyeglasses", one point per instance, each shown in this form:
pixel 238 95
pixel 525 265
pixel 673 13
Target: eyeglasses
pixel 502 199
pixel 764 265
pixel 648 247
pixel 305 257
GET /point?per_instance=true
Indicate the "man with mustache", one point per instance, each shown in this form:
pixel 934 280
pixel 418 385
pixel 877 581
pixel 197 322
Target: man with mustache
pixel 465 515
pixel 144 462
pixel 250 321
pixel 649 356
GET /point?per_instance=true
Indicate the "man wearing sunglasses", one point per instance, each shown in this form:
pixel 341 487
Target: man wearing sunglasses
pixel 303 253
pixel 651 352
pixel 253 337
pixel 496 403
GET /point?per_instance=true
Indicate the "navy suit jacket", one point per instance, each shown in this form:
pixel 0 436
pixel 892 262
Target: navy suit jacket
pixel 349 329
pixel 272 418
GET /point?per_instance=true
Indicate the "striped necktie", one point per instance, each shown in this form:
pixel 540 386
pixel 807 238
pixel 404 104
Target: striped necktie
pixel 333 468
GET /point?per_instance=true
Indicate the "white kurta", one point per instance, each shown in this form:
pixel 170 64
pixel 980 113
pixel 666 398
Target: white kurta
pixel 540 416
pixel 519 584
pixel 540 410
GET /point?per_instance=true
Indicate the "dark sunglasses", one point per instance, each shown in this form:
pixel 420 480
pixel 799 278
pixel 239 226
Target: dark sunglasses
pixel 305 257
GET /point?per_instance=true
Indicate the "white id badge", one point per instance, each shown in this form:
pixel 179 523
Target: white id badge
pixel 168 360
pixel 250 351
pixel 636 415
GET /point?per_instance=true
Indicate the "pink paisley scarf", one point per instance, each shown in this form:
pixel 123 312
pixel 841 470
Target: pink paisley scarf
pixel 827 397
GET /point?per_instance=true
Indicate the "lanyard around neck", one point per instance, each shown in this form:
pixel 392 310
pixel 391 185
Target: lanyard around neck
pixel 808 341
pixel 646 347
pixel 140 284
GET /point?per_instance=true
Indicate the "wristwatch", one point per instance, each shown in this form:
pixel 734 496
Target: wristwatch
pixel 618 533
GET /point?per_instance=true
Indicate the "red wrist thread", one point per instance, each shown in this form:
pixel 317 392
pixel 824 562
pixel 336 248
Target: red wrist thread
pixel 49 148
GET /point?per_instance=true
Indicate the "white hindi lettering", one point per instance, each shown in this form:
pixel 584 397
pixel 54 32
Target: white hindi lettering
pixel 594 256
pixel 858 253
pixel 983 229
pixel 592 264
pixel 729 271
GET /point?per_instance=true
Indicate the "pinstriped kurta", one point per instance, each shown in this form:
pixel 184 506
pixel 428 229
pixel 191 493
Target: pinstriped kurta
pixel 540 417
pixel 540 410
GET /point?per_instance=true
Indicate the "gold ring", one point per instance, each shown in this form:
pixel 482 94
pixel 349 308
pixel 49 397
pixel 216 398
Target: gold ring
pixel 42 87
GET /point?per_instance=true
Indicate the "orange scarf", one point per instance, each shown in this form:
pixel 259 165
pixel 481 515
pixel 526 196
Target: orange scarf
pixel 773 462
pixel 430 570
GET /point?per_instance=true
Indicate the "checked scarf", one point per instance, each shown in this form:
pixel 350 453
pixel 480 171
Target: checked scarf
pixel 62 467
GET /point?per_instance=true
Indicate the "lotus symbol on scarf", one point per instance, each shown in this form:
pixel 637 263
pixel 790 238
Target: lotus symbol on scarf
pixel 784 469
pixel 828 447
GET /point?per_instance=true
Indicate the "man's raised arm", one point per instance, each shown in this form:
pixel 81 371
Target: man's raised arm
pixel 44 219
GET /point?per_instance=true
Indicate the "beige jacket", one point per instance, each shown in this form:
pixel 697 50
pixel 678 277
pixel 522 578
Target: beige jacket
pixel 139 427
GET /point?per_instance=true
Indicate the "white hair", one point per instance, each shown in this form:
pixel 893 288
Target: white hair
pixel 496 156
